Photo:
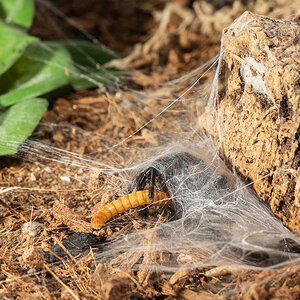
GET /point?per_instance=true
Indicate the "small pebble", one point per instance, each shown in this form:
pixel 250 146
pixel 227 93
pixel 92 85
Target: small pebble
pixel 31 228
pixel 32 177
pixel 48 169
pixel 65 178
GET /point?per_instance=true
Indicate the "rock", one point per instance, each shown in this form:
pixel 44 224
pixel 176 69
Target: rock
pixel 77 245
pixel 259 114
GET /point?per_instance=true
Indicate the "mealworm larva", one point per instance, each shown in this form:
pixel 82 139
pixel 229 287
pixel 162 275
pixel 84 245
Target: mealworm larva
pixel 133 200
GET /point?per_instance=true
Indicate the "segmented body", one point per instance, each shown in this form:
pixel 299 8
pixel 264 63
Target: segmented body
pixel 133 200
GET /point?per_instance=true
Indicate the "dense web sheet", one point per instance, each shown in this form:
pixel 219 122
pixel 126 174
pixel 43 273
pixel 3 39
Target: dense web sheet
pixel 218 220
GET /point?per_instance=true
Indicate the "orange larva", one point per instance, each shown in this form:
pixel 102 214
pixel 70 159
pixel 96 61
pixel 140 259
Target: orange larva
pixel 133 200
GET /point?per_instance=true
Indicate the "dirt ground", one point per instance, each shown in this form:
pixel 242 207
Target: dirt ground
pixel 58 199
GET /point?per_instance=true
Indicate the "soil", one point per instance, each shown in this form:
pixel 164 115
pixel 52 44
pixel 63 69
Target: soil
pixel 59 199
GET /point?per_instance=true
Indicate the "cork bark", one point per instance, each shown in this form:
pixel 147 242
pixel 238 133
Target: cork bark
pixel 259 113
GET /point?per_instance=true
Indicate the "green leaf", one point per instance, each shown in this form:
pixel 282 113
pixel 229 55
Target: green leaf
pixel 13 43
pixel 18 122
pixel 18 12
pixel 88 59
pixel 42 68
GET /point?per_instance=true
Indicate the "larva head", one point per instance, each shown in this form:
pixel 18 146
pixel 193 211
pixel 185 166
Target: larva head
pixel 98 221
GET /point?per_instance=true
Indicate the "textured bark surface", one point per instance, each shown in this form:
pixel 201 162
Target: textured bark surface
pixel 259 115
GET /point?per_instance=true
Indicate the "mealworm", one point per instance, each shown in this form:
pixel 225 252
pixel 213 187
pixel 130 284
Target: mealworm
pixel 133 200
